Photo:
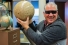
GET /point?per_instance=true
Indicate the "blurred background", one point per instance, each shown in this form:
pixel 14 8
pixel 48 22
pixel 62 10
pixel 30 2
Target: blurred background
pixel 38 15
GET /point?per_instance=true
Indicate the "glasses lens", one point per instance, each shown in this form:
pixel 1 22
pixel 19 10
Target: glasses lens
pixel 53 12
pixel 48 12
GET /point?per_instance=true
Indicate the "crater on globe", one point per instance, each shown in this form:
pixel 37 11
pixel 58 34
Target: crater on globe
pixel 24 9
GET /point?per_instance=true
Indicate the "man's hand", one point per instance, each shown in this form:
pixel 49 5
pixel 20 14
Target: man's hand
pixel 30 21
pixel 25 24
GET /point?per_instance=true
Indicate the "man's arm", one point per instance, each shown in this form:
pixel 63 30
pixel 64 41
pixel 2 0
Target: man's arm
pixel 50 35
pixel 33 25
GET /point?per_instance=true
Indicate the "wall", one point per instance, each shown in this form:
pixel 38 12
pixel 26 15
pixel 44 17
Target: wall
pixel 41 9
pixel 66 18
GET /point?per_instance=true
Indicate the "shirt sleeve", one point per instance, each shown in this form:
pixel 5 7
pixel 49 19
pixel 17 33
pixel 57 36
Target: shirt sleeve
pixel 33 26
pixel 50 35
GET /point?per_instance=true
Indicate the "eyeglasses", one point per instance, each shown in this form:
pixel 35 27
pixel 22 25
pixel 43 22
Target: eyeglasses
pixel 52 11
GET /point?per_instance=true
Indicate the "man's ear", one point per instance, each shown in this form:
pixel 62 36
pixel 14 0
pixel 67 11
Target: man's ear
pixel 44 14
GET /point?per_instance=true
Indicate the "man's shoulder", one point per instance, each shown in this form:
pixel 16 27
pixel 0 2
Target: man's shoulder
pixel 59 23
pixel 42 22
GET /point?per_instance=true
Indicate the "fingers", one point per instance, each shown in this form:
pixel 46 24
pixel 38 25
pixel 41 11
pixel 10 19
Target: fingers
pixel 19 21
pixel 27 18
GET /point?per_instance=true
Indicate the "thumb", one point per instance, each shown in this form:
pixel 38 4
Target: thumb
pixel 27 18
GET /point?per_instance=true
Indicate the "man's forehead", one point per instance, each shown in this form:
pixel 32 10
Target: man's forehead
pixel 49 7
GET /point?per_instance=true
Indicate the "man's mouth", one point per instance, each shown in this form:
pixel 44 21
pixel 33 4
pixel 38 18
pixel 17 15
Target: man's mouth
pixel 51 17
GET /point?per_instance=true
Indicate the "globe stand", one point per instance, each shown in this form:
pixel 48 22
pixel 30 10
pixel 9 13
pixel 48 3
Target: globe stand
pixel 5 29
pixel 8 28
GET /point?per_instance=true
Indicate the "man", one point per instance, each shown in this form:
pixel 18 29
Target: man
pixel 49 31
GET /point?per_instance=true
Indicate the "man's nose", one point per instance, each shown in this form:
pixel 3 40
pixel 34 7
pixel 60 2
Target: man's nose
pixel 50 14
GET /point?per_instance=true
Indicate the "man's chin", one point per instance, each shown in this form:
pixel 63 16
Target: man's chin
pixel 51 22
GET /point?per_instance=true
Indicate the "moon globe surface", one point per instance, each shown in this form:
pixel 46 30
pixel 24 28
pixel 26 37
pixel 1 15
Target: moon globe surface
pixel 24 9
pixel 5 19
